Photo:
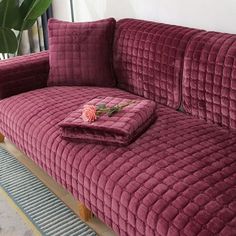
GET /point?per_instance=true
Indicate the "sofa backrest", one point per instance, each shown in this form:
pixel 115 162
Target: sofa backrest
pixel 148 59
pixel 209 78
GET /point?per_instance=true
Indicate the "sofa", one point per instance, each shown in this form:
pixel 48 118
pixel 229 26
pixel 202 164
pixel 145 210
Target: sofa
pixel 178 177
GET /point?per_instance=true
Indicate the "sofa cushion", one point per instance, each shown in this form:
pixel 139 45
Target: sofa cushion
pixel 81 53
pixel 120 129
pixel 148 59
pixel 209 86
pixel 176 179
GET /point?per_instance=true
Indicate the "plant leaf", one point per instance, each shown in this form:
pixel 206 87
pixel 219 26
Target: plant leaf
pixel 37 8
pixel 8 41
pixel 9 13
pixel 30 10
pixel 113 110
pixel 27 24
pixel 101 106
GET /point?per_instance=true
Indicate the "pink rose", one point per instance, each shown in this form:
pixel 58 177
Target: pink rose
pixel 89 113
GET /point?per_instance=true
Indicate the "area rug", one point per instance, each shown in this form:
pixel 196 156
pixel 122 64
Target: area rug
pixel 39 207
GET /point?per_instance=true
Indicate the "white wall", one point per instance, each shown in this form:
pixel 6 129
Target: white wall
pixel 61 9
pixel 218 15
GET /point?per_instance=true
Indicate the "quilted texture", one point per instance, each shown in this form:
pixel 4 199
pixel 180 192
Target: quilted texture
pixel 209 86
pixel 23 73
pixel 178 178
pixel 148 59
pixel 81 53
pixel 120 129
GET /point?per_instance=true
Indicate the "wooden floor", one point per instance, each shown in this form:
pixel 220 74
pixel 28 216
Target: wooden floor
pixel 64 195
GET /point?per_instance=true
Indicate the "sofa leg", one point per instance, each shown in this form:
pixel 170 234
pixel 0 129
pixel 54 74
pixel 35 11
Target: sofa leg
pixel 84 213
pixel 1 138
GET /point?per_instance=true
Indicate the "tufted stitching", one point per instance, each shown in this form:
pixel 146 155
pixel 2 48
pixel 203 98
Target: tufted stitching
pixel 148 59
pixel 177 178
pixel 120 129
pixel 23 73
pixel 209 90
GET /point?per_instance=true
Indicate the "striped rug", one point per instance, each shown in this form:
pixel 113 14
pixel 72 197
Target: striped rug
pixel 48 214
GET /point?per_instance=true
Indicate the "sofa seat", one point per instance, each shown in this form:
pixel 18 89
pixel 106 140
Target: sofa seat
pixel 178 178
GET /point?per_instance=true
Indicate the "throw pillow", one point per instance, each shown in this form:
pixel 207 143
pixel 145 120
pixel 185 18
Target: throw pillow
pixel 80 54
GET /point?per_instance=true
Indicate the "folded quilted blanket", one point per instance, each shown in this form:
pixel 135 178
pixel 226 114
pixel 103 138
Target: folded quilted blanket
pixel 121 128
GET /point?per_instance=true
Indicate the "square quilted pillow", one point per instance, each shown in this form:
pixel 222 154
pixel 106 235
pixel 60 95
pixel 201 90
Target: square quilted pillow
pixel 81 53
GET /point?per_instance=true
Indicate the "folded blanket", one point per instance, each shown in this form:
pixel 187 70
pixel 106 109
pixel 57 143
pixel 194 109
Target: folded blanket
pixel 121 128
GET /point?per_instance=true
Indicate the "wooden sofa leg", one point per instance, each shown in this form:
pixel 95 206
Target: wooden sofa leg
pixel 1 138
pixel 84 213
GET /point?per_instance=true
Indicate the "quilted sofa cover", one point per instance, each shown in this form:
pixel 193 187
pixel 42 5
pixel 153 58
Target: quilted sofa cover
pixel 178 178
pixel 25 73
pixel 209 86
pixel 119 129
pixel 148 59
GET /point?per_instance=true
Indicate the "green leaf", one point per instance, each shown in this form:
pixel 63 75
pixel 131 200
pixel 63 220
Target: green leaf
pixel 35 8
pixel 24 25
pixel 101 106
pixel 30 10
pixel 113 110
pixel 9 13
pixel 8 41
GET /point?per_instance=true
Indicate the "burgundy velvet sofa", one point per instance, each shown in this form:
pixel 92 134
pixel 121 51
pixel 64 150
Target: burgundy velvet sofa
pixel 177 178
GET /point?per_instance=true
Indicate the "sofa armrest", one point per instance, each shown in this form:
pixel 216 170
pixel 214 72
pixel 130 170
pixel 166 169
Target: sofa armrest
pixel 23 73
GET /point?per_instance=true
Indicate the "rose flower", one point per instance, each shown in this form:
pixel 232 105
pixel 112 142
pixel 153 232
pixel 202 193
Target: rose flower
pixel 89 113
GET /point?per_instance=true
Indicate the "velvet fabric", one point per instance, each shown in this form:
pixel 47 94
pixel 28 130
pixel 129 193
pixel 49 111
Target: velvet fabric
pixel 23 73
pixel 148 59
pixel 119 129
pixel 81 53
pixel 209 83
pixel 178 178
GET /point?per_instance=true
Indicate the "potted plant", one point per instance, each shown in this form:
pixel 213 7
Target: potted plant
pixel 15 17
